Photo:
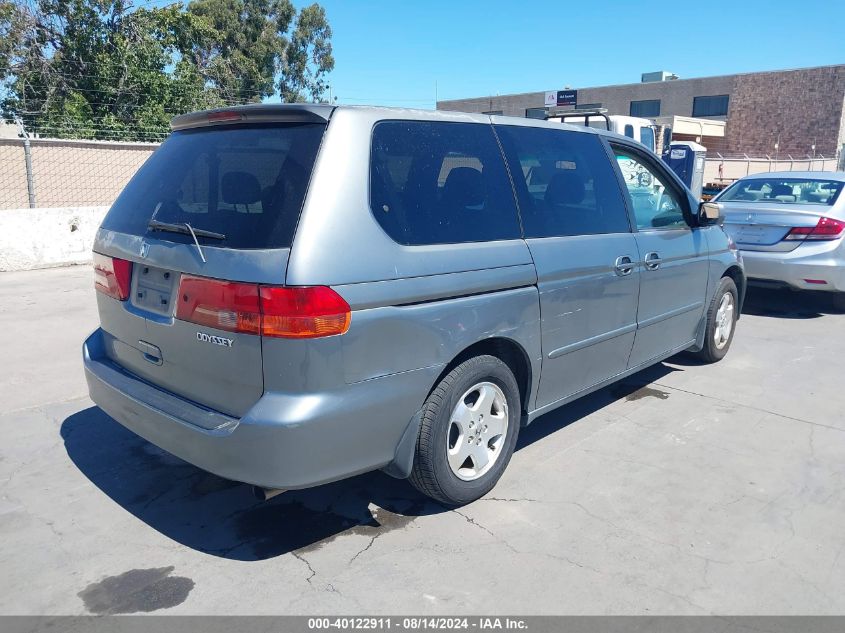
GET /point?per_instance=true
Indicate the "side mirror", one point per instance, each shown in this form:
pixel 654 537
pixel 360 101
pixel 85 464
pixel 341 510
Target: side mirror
pixel 709 213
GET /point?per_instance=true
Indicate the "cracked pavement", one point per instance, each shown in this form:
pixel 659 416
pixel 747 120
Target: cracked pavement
pixel 687 489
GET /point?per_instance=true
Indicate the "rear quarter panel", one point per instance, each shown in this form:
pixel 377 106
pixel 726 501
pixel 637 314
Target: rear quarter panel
pixel 722 257
pixel 413 306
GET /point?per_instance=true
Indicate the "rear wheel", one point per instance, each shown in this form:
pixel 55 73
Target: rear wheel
pixel 469 429
pixel 721 322
pixel 839 301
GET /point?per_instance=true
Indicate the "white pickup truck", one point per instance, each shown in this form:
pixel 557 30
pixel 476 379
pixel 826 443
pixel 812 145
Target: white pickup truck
pixel 641 130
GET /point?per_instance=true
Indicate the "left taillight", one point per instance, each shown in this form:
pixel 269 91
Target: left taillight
pixel 275 311
pixel 224 305
pixel 112 276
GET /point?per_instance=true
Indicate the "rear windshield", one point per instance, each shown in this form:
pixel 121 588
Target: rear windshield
pixel 783 190
pixel 246 182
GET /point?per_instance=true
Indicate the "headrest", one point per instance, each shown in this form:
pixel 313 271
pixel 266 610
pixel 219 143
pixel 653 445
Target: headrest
pixel 240 187
pixel 464 187
pixel 565 187
pixel 781 190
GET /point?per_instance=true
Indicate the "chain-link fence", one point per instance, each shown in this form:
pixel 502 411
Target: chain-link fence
pixel 64 173
pixel 42 173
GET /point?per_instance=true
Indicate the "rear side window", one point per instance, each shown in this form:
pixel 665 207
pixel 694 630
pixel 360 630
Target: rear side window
pixel 568 186
pixel 246 182
pixel 440 183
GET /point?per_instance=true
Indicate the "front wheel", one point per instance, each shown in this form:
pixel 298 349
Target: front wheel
pixel 468 432
pixel 721 322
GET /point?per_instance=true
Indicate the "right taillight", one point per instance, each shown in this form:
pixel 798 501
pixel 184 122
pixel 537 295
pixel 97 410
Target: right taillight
pixel 112 276
pixel 825 229
pixel 285 312
pixel 303 312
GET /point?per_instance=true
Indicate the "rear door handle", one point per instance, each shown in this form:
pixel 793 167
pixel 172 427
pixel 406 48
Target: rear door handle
pixel 624 265
pixel 652 261
pixel 151 353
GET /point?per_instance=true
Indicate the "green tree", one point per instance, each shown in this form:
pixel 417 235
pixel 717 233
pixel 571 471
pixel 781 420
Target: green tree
pixel 104 69
pixel 263 46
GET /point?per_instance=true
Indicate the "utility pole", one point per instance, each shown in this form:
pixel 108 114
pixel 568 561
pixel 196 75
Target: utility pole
pixel 27 156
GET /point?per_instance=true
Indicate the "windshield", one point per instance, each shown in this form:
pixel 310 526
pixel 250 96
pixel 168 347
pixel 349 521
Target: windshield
pixel 245 182
pixel 783 190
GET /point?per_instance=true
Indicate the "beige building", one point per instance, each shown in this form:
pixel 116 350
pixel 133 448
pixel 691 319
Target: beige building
pixel 779 113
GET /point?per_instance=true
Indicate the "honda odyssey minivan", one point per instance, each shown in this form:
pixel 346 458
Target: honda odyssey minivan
pixel 293 294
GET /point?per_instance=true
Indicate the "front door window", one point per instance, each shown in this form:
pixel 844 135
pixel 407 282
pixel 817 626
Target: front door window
pixel 656 205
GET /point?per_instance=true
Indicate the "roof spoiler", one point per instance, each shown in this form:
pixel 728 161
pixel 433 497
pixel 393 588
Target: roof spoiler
pixel 257 113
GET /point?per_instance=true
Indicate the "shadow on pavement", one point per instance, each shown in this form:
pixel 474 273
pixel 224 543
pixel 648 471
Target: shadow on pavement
pixel 782 303
pixel 220 517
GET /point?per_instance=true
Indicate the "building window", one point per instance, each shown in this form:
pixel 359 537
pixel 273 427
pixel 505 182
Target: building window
pixel 710 106
pixel 645 109
pixel 588 106
pixel 499 112
pixel 535 113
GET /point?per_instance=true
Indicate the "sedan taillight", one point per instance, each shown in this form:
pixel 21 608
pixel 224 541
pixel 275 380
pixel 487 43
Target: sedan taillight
pixel 826 229
pixel 112 276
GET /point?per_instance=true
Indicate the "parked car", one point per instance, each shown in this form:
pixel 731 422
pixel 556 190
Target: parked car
pixel 293 294
pixel 790 227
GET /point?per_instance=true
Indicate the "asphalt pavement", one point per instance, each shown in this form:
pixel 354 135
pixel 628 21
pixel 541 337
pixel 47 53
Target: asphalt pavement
pixel 687 489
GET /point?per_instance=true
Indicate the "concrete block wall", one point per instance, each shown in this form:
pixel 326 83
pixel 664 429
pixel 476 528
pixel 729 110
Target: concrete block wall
pixel 44 238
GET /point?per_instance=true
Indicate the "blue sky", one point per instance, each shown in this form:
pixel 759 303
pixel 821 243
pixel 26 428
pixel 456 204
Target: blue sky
pixel 393 52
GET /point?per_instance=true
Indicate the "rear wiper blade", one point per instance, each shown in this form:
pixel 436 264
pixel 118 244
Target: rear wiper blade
pixel 185 229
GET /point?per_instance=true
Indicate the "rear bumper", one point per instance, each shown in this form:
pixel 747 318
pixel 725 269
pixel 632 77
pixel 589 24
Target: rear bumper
pixel 823 261
pixel 285 441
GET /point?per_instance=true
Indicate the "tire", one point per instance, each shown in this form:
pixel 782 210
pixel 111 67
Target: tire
pixel 713 350
pixel 483 385
pixel 838 300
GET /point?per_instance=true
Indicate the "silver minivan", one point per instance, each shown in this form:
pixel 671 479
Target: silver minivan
pixel 293 294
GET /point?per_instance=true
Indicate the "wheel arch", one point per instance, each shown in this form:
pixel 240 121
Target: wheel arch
pixel 509 352
pixel 738 276
pixel 505 349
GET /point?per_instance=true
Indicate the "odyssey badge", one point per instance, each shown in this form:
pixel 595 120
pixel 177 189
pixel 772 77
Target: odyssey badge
pixel 215 340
